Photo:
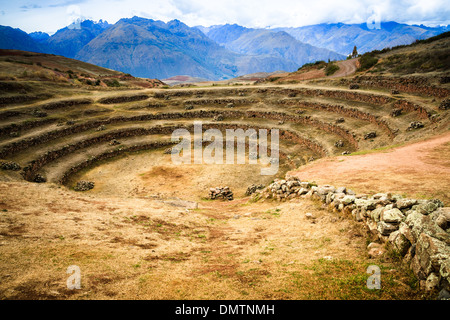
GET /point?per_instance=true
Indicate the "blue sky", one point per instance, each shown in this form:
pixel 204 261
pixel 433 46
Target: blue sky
pixel 51 15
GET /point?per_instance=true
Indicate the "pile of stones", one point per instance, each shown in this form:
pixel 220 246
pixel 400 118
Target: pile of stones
pixel 445 104
pixel 252 189
pixel 370 135
pixel 84 185
pixel 396 112
pixel 415 125
pixel 10 165
pixel 418 230
pixel 223 193
pixel 38 178
pixel 339 144
pixel 114 142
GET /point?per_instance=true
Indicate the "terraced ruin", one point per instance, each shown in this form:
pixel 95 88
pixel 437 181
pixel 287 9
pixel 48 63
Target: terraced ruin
pixel 150 223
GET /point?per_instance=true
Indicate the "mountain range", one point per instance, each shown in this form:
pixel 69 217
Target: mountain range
pixel 341 38
pixel 155 49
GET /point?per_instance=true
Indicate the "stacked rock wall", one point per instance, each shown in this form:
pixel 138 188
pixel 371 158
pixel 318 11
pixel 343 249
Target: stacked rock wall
pixel 417 230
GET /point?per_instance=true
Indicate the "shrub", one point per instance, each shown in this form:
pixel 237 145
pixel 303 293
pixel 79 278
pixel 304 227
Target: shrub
pixel 367 61
pixel 331 68
pixel 112 82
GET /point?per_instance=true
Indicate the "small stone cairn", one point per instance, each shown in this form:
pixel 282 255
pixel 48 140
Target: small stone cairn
pixel 223 193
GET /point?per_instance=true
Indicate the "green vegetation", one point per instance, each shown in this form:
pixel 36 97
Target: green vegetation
pixel 331 68
pixel 424 61
pixel 112 82
pixel 367 61
pixel 313 65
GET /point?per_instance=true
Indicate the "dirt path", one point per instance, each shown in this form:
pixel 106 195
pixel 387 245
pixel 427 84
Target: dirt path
pixel 416 169
pixel 346 68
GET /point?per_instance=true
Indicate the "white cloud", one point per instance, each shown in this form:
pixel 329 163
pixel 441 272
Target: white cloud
pixel 250 13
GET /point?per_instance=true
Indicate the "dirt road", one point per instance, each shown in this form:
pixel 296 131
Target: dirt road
pixel 416 169
pixel 346 68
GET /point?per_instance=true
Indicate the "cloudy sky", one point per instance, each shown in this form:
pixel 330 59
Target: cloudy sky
pixel 51 15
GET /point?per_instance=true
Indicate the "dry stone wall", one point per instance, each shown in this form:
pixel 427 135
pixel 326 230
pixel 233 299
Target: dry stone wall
pixel 419 85
pixel 417 230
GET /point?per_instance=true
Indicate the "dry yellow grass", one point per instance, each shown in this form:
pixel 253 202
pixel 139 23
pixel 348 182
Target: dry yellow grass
pixel 140 248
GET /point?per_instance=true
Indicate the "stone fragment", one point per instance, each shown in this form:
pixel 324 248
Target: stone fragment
pixel 392 216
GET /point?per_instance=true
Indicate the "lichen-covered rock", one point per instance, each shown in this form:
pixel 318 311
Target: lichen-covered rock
pixel 399 242
pixel 427 208
pixel 385 228
pixel 325 189
pixel 376 214
pixel 406 203
pixel 442 218
pixel 432 255
pixel 392 216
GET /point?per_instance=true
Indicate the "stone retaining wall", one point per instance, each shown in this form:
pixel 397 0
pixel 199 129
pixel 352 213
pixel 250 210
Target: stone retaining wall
pixel 348 112
pixel 14 147
pixel 419 85
pixel 122 99
pixel 417 230
pixel 31 169
pixel 408 106
pixel 111 154
pixel 65 103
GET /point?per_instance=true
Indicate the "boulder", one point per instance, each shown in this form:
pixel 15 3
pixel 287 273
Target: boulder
pixel 427 208
pixel 399 242
pixel 432 255
pixel 442 218
pixel 405 203
pixel 432 282
pixel 325 189
pixel 385 229
pixel 392 216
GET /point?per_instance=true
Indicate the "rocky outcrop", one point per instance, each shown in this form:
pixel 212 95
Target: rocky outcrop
pixel 417 230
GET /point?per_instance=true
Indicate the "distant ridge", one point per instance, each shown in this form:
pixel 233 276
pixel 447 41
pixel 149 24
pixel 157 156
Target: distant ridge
pixel 155 49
